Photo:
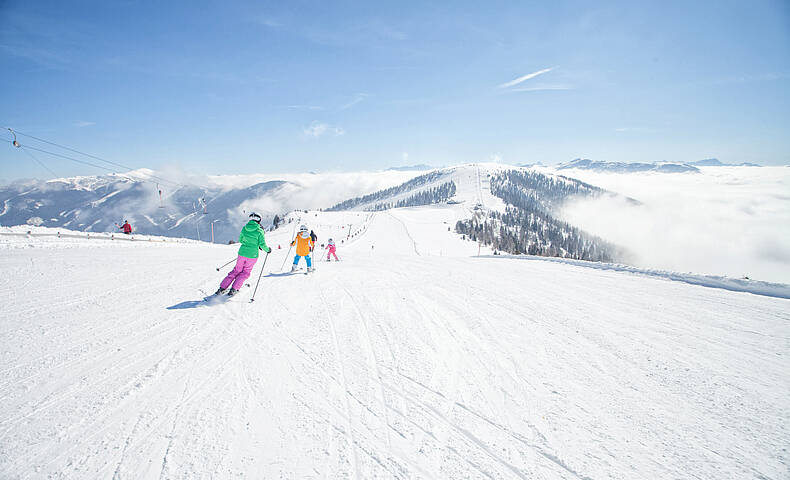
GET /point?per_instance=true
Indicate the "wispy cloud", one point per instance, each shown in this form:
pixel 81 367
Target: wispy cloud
pixel 82 124
pixel 357 99
pixel 304 107
pixel 45 39
pixel 44 57
pixel 526 77
pixel 539 88
pixel 317 129
pixel 266 21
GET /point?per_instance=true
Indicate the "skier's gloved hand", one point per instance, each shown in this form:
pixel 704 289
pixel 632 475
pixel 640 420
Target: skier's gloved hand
pixel 268 250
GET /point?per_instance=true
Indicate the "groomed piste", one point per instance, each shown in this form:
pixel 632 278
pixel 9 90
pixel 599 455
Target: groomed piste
pixel 412 357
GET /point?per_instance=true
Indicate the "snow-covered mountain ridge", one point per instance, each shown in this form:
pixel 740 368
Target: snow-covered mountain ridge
pixel 622 167
pixel 529 223
pixel 191 208
pixel 522 204
pixel 715 162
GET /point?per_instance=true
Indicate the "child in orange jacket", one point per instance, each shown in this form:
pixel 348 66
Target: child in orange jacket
pixel 304 246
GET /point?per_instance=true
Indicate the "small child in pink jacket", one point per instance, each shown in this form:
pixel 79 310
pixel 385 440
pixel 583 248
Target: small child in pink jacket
pixel 330 245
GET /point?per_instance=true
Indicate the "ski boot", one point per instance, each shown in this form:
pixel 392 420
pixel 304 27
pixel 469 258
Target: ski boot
pixel 220 291
pixel 293 267
pixel 232 292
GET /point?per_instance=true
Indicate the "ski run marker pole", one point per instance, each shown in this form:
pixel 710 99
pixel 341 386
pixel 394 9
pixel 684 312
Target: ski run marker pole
pixel 226 264
pixel 259 278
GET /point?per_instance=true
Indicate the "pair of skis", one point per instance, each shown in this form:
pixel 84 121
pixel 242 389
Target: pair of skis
pixel 215 298
pixel 218 298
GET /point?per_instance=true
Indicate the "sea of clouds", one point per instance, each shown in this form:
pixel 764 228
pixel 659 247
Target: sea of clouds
pixel 732 221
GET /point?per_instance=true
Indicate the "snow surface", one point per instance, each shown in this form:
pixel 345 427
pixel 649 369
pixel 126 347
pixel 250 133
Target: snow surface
pixel 410 358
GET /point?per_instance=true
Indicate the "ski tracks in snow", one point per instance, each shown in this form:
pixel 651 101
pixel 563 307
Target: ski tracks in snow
pixel 406 231
pixel 457 440
pixel 387 366
pixel 342 371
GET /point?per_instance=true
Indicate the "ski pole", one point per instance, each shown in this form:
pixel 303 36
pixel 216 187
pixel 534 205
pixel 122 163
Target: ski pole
pixel 292 246
pixel 259 278
pixel 286 257
pixel 226 264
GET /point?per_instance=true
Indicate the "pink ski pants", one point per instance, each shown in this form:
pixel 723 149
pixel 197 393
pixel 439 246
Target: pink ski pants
pixel 239 273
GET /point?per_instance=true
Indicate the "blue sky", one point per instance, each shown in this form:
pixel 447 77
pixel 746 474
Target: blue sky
pixel 235 87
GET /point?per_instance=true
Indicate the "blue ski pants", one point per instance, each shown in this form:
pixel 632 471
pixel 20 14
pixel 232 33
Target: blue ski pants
pixel 307 258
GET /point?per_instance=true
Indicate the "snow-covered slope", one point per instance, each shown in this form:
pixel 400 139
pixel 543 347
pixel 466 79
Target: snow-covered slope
pixel 469 184
pixel 408 359
pixel 508 208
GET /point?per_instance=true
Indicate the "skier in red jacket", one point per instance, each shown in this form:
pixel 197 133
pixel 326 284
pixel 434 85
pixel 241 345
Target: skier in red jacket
pixel 126 227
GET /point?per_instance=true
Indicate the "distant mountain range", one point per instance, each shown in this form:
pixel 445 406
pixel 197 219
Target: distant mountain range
pixel 714 162
pixel 412 168
pixel 660 167
pixel 622 167
pixel 191 209
pixel 100 203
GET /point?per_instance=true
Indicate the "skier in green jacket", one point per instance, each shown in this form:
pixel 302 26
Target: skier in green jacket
pixel 252 240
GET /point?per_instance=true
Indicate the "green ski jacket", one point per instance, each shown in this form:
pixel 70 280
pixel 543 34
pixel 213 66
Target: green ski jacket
pixel 251 239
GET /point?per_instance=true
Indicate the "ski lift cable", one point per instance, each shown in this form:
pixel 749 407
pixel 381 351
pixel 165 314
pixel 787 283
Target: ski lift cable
pixel 162 180
pixel 70 158
pixel 28 147
pixel 60 155
pixel 54 175
pixel 148 178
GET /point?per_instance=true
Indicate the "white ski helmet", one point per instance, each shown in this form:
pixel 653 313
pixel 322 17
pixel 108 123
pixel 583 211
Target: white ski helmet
pixel 254 216
pixel 302 228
